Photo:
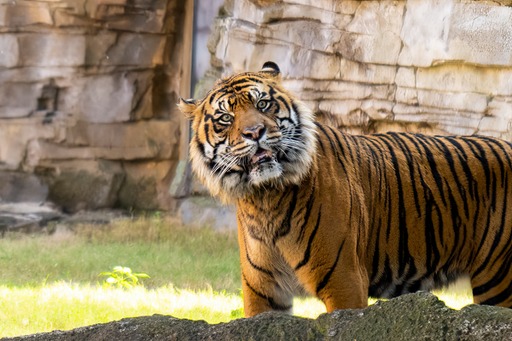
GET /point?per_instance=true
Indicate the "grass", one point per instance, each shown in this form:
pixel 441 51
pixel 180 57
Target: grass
pixel 51 281
pixel 65 306
pixel 168 252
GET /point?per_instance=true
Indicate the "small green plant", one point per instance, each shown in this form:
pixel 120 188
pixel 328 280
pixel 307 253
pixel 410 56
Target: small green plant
pixel 122 277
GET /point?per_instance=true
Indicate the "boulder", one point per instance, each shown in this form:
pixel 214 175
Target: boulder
pixel 22 187
pixel 146 185
pixel 82 184
pixel 419 316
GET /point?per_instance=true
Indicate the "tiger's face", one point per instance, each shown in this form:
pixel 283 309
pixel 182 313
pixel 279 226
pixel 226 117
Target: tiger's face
pixel 249 133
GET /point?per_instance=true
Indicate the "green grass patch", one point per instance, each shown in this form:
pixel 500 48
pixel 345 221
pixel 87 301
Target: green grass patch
pixel 52 281
pixel 169 253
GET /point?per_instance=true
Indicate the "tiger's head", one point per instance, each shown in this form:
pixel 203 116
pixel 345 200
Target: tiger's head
pixel 250 133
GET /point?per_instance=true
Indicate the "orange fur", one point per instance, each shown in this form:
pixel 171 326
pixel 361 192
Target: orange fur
pixel 343 217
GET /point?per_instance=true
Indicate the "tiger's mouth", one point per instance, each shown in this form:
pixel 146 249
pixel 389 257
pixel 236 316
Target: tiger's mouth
pixel 261 156
pixel 264 167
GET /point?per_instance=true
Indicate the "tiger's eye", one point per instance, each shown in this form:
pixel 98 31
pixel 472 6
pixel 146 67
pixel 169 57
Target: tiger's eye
pixel 262 104
pixel 227 118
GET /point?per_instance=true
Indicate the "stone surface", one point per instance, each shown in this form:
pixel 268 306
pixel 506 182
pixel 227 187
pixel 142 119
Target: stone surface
pixel 433 66
pixel 84 86
pixel 477 33
pixel 9 53
pixel 419 316
pixel 79 185
pixel 26 216
pixel 16 135
pixel 146 185
pixel 21 187
pixel 51 49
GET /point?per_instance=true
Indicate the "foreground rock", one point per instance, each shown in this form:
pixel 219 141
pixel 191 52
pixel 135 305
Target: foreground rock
pixel 418 316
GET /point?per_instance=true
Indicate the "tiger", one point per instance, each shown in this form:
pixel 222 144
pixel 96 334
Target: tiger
pixel 345 217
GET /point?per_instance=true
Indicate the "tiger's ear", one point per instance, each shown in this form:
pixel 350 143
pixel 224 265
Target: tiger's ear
pixel 271 68
pixel 187 107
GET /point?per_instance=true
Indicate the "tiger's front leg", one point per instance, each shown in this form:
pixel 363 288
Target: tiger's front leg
pixel 261 299
pixel 347 290
pixel 261 289
pixel 339 279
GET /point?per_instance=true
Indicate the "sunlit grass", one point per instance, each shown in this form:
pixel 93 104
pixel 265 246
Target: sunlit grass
pixel 457 295
pixel 65 306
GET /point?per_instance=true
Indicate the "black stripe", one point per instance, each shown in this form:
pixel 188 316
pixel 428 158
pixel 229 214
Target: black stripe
pixel 285 226
pixel 307 253
pixel 384 281
pixel 463 162
pixel 319 140
pixel 333 146
pixel 427 148
pixel 483 239
pixel 481 156
pixel 269 299
pixel 497 237
pixel 497 156
pixel 341 147
pixel 309 208
pixel 456 225
pixel 376 252
pixel 500 146
pixel 403 250
pixel 244 79
pixel 503 272
pixel 321 285
pixel 257 267
pixel 499 298
pixel 409 157
pixel 432 252
pixel 285 103
pixel 455 175
pixel 375 147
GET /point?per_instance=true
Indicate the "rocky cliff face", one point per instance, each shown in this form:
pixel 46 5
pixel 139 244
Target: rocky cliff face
pixel 87 87
pixel 87 93
pixel 371 66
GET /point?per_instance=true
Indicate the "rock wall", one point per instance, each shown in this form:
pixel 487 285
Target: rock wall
pixel 87 94
pixel 370 66
pixel 87 87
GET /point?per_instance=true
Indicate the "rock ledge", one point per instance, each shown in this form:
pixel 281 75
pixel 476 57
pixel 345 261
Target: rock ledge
pixel 419 316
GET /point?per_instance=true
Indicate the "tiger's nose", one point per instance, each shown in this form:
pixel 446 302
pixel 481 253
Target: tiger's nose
pixel 255 132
